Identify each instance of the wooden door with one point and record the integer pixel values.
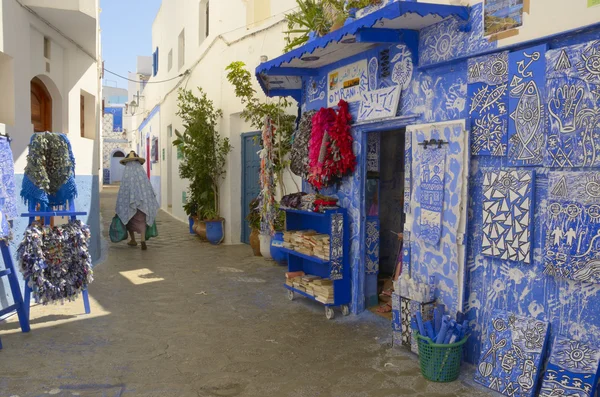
(41, 106)
(250, 178)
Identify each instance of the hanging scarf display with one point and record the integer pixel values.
(56, 261)
(433, 168)
(330, 148)
(50, 172)
(299, 163)
(8, 205)
(267, 181)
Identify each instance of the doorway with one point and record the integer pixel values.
(41, 106)
(116, 168)
(169, 150)
(250, 178)
(385, 216)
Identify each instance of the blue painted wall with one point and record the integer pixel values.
(439, 93)
(87, 200)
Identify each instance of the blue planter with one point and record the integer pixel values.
(191, 220)
(214, 232)
(276, 244)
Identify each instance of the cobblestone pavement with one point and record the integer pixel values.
(188, 319)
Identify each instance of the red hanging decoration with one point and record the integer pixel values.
(330, 148)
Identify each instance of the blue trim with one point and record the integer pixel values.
(390, 12)
(371, 35)
(518, 46)
(152, 113)
(291, 72)
(296, 94)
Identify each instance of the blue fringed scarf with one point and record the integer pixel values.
(49, 178)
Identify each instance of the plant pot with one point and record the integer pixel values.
(192, 222)
(200, 228)
(215, 231)
(276, 249)
(265, 246)
(255, 242)
(336, 26)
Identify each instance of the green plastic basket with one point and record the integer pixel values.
(440, 363)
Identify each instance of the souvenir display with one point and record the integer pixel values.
(8, 205)
(267, 181)
(572, 369)
(50, 172)
(299, 154)
(330, 148)
(512, 354)
(309, 202)
(56, 261)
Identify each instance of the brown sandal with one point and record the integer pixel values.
(144, 246)
(132, 243)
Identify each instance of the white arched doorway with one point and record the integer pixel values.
(116, 168)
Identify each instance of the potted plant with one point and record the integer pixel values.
(253, 219)
(277, 253)
(204, 158)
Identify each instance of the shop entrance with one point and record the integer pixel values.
(385, 215)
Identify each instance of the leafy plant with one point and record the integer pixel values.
(253, 216)
(279, 223)
(204, 153)
(255, 111)
(318, 16)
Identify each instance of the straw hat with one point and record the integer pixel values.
(132, 156)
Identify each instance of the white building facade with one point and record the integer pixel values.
(50, 81)
(204, 37)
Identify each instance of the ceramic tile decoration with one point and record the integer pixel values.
(347, 83)
(407, 171)
(405, 321)
(573, 87)
(526, 98)
(573, 226)
(373, 74)
(507, 214)
(372, 245)
(487, 90)
(406, 253)
(512, 354)
(337, 246)
(448, 39)
(433, 167)
(315, 89)
(572, 369)
(379, 104)
(373, 150)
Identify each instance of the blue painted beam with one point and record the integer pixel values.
(291, 72)
(371, 35)
(296, 94)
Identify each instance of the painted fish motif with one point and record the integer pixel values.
(494, 97)
(478, 98)
(527, 117)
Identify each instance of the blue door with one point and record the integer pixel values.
(250, 177)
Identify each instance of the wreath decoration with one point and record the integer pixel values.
(330, 148)
(50, 172)
(56, 261)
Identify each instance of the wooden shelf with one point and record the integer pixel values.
(304, 256)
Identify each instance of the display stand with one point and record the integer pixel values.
(45, 215)
(18, 305)
(337, 268)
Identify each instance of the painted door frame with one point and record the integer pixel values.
(244, 135)
(359, 272)
(148, 160)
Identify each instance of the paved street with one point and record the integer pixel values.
(188, 319)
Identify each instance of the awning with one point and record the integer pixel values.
(282, 76)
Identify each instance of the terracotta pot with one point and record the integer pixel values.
(200, 229)
(337, 26)
(255, 242)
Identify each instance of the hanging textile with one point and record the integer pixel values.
(50, 172)
(136, 193)
(433, 167)
(331, 156)
(299, 163)
(267, 181)
(56, 261)
(8, 205)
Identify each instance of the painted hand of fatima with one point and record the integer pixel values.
(564, 106)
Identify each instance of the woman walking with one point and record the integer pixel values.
(136, 203)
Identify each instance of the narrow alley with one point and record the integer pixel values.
(188, 319)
